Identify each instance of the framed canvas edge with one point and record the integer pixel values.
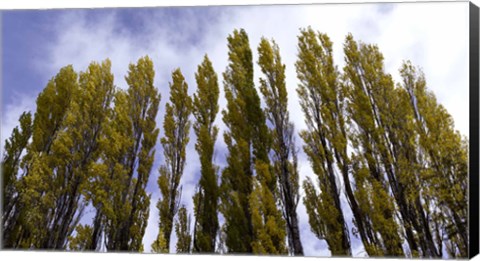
(474, 131)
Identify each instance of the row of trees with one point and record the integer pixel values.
(403, 165)
(391, 149)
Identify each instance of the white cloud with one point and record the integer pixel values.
(433, 36)
(12, 114)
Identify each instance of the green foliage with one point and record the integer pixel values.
(370, 92)
(324, 217)
(205, 109)
(320, 98)
(110, 184)
(405, 176)
(12, 154)
(76, 148)
(118, 190)
(82, 239)
(267, 221)
(159, 246)
(442, 164)
(248, 141)
(52, 105)
(35, 199)
(273, 89)
(237, 176)
(64, 160)
(130, 162)
(182, 230)
(176, 125)
(14, 147)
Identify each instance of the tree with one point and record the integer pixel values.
(176, 125)
(67, 124)
(182, 230)
(110, 182)
(205, 109)
(284, 161)
(248, 143)
(236, 178)
(443, 166)
(392, 149)
(129, 160)
(371, 97)
(28, 220)
(321, 100)
(12, 154)
(75, 149)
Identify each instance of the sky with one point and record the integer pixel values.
(36, 44)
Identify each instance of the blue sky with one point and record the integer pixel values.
(36, 44)
(27, 36)
(20, 28)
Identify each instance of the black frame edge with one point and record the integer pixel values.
(474, 132)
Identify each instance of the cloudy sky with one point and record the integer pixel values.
(36, 44)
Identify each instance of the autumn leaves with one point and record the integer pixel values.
(389, 149)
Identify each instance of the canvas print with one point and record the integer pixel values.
(295, 130)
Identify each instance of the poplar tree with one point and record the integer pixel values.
(237, 177)
(284, 161)
(176, 125)
(402, 134)
(12, 156)
(320, 73)
(320, 98)
(252, 221)
(28, 221)
(129, 159)
(411, 169)
(205, 109)
(76, 149)
(405, 175)
(117, 188)
(370, 91)
(442, 166)
(398, 148)
(110, 181)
